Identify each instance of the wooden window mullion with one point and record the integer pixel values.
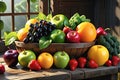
(13, 18)
(28, 9)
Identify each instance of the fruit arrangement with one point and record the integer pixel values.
(47, 30)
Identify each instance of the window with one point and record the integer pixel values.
(17, 13)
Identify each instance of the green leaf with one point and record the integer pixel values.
(49, 17)
(41, 16)
(10, 38)
(44, 42)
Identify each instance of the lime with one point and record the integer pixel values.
(3, 6)
(1, 24)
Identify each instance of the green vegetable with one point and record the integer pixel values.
(110, 42)
(76, 19)
(44, 42)
(10, 38)
(41, 16)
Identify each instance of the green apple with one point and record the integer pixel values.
(57, 36)
(60, 21)
(25, 57)
(61, 59)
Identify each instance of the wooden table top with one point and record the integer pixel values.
(53, 74)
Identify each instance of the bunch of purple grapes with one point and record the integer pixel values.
(36, 31)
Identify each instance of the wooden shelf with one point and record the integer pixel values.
(101, 73)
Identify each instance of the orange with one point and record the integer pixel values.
(30, 21)
(21, 34)
(45, 60)
(87, 31)
(99, 54)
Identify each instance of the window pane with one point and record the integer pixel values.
(20, 6)
(34, 6)
(33, 16)
(8, 4)
(7, 24)
(20, 22)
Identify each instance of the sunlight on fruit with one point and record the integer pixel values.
(87, 31)
(30, 21)
(22, 33)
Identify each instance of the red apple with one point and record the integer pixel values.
(73, 36)
(11, 57)
(66, 29)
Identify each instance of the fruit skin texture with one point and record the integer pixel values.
(99, 54)
(66, 29)
(87, 31)
(60, 21)
(30, 21)
(73, 36)
(108, 63)
(2, 69)
(34, 65)
(11, 57)
(22, 34)
(57, 36)
(73, 63)
(25, 57)
(92, 64)
(61, 59)
(45, 60)
(82, 62)
(115, 60)
(100, 31)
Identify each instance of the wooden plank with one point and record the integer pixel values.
(100, 71)
(19, 73)
(77, 74)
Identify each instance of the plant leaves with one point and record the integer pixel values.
(44, 42)
(49, 17)
(41, 16)
(10, 38)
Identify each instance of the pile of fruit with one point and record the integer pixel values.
(45, 30)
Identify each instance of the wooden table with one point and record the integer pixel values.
(101, 73)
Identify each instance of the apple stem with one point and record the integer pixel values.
(8, 48)
(63, 53)
(24, 52)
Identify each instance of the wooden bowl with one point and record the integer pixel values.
(73, 49)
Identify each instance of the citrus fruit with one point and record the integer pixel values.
(1, 24)
(21, 34)
(99, 54)
(87, 31)
(3, 6)
(45, 60)
(30, 21)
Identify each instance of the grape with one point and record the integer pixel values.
(39, 29)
